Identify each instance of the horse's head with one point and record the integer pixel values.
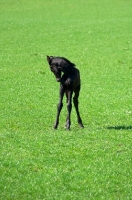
(55, 67)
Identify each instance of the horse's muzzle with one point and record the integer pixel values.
(58, 79)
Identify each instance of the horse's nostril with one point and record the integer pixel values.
(58, 79)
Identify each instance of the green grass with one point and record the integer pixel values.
(37, 162)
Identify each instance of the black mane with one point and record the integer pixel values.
(68, 61)
(62, 61)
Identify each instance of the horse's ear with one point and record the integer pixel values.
(48, 59)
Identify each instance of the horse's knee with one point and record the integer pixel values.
(75, 101)
(59, 106)
(69, 107)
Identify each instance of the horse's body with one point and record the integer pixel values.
(69, 83)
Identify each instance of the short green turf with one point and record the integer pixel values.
(37, 162)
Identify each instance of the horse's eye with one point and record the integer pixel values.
(51, 67)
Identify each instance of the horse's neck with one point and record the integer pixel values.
(68, 70)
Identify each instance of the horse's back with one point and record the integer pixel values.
(71, 80)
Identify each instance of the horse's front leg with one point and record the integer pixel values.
(59, 106)
(69, 108)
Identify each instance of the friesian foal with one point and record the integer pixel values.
(69, 83)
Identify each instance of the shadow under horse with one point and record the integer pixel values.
(69, 84)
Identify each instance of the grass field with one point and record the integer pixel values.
(37, 162)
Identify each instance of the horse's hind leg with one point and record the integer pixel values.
(59, 107)
(75, 101)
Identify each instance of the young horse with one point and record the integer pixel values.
(69, 83)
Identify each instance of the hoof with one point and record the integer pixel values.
(67, 127)
(81, 125)
(55, 127)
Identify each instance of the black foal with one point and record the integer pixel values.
(69, 83)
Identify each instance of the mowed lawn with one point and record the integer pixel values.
(37, 162)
